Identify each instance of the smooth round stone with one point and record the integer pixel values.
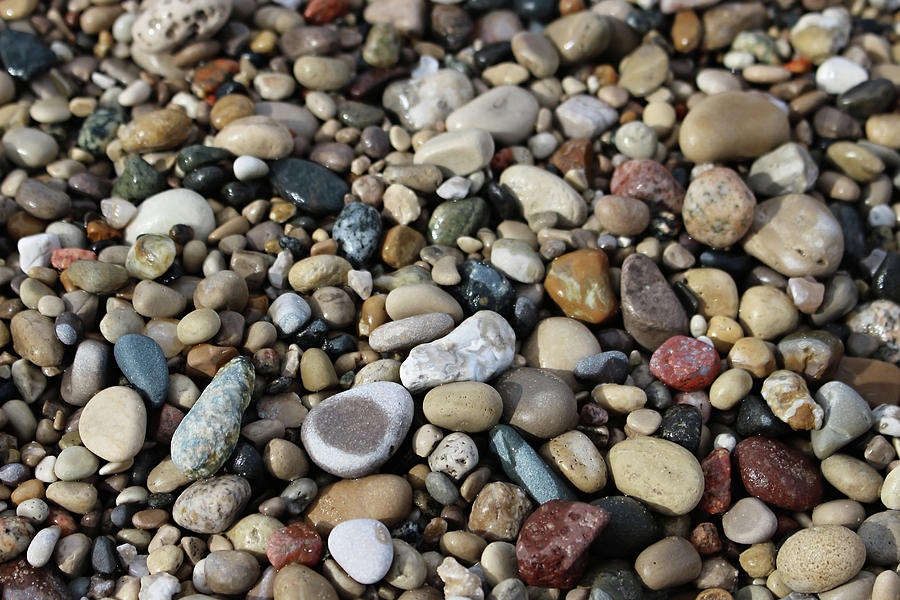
(97, 277)
(297, 581)
(536, 53)
(539, 191)
(230, 571)
(30, 148)
(409, 332)
(251, 533)
(884, 129)
(795, 235)
(579, 36)
(289, 312)
(113, 424)
(137, 181)
(820, 558)
(718, 208)
(468, 406)
(856, 161)
(517, 260)
(40, 550)
(749, 521)
(584, 116)
(778, 474)
(852, 477)
(732, 125)
(222, 290)
(211, 505)
(386, 498)
(150, 256)
(577, 458)
(256, 136)
(311, 273)
(789, 169)
(537, 402)
(579, 283)
(74, 496)
(507, 112)
(362, 547)
(838, 74)
(74, 463)
(767, 312)
(890, 491)
(670, 562)
(559, 343)
(322, 73)
(42, 201)
(15, 535)
(458, 152)
(424, 102)
(157, 130)
(141, 360)
(33, 338)
(848, 513)
(636, 140)
(200, 18)
(160, 212)
(642, 72)
(660, 473)
(198, 326)
(248, 168)
(417, 299)
(353, 433)
(880, 533)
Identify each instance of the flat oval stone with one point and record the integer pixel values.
(539, 191)
(732, 125)
(200, 19)
(257, 135)
(160, 212)
(353, 433)
(97, 277)
(778, 474)
(207, 435)
(411, 331)
(469, 406)
(820, 558)
(507, 112)
(796, 235)
(687, 364)
(362, 547)
(28, 147)
(311, 187)
(660, 473)
(41, 200)
(113, 424)
(650, 310)
(537, 402)
(579, 36)
(211, 505)
(313, 272)
(459, 152)
(559, 343)
(162, 129)
(142, 362)
(386, 498)
(34, 338)
(579, 284)
(670, 562)
(322, 72)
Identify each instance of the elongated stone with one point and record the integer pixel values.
(209, 432)
(522, 464)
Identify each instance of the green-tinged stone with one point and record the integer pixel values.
(455, 218)
(100, 128)
(523, 465)
(251, 534)
(360, 115)
(382, 47)
(408, 275)
(758, 44)
(207, 435)
(139, 180)
(615, 580)
(194, 157)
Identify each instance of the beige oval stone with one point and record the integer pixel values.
(796, 235)
(198, 326)
(157, 130)
(890, 491)
(848, 513)
(383, 497)
(619, 399)
(322, 73)
(767, 312)
(852, 477)
(468, 406)
(296, 582)
(559, 343)
(577, 458)
(538, 190)
(34, 338)
(715, 290)
(251, 533)
(732, 125)
(457, 152)
(621, 215)
(507, 112)
(256, 135)
(670, 562)
(419, 299)
(113, 424)
(820, 558)
(75, 496)
(729, 388)
(313, 272)
(884, 129)
(661, 473)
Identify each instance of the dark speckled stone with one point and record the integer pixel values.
(778, 474)
(756, 418)
(358, 231)
(209, 432)
(21, 581)
(139, 180)
(523, 465)
(483, 287)
(682, 424)
(194, 157)
(312, 187)
(142, 362)
(100, 128)
(456, 218)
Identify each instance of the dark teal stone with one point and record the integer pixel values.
(359, 114)
(455, 218)
(24, 55)
(886, 282)
(311, 187)
(614, 580)
(193, 157)
(100, 128)
(142, 362)
(482, 287)
(523, 466)
(139, 180)
(536, 10)
(358, 232)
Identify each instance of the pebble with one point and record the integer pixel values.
(837, 74)
(459, 152)
(579, 36)
(357, 231)
(142, 362)
(208, 433)
(669, 562)
(230, 571)
(583, 116)
(15, 536)
(787, 395)
(478, 349)
(650, 310)
(846, 417)
(40, 550)
(113, 424)
(643, 71)
(749, 521)
(718, 208)
(424, 102)
(362, 547)
(577, 458)
(778, 474)
(373, 419)
(788, 169)
(820, 558)
(649, 181)
(559, 343)
(256, 136)
(160, 212)
(211, 505)
(383, 497)
(536, 402)
(579, 284)
(309, 186)
(685, 363)
(523, 465)
(508, 113)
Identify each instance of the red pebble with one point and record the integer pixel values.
(62, 519)
(164, 423)
(685, 363)
(705, 538)
(210, 76)
(778, 474)
(61, 258)
(716, 482)
(320, 12)
(647, 180)
(298, 543)
(502, 159)
(552, 547)
(799, 65)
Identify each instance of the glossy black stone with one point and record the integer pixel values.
(340, 344)
(756, 418)
(103, 555)
(310, 186)
(482, 287)
(491, 54)
(524, 317)
(206, 181)
(631, 527)
(312, 335)
(886, 282)
(605, 367)
(246, 462)
(682, 424)
(24, 55)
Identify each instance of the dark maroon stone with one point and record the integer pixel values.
(717, 482)
(649, 181)
(685, 363)
(778, 474)
(21, 581)
(164, 423)
(552, 547)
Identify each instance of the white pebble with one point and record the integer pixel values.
(44, 470)
(289, 312)
(838, 74)
(882, 216)
(118, 212)
(33, 509)
(725, 440)
(279, 270)
(250, 167)
(160, 586)
(360, 282)
(698, 325)
(35, 250)
(455, 188)
(362, 547)
(137, 92)
(41, 547)
(887, 419)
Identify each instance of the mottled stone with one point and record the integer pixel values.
(649, 181)
(650, 310)
(142, 362)
(211, 505)
(787, 395)
(579, 284)
(498, 511)
(685, 363)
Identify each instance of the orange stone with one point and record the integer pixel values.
(567, 7)
(320, 12)
(210, 76)
(401, 246)
(575, 154)
(206, 359)
(687, 31)
(61, 258)
(229, 108)
(878, 382)
(98, 230)
(579, 284)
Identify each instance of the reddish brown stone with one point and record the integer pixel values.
(647, 180)
(577, 155)
(579, 284)
(401, 246)
(785, 525)
(164, 422)
(552, 547)
(320, 12)
(502, 159)
(62, 519)
(371, 83)
(99, 230)
(61, 258)
(297, 543)
(778, 474)
(20, 581)
(210, 76)
(705, 538)
(685, 363)
(21, 224)
(206, 359)
(717, 482)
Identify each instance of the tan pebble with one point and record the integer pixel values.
(577, 458)
(724, 332)
(729, 388)
(820, 558)
(559, 343)
(285, 460)
(421, 298)
(715, 289)
(767, 312)
(848, 513)
(296, 582)
(463, 406)
(852, 477)
(75, 496)
(753, 355)
(758, 560)
(670, 562)
(382, 497)
(619, 399)
(463, 545)
(887, 586)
